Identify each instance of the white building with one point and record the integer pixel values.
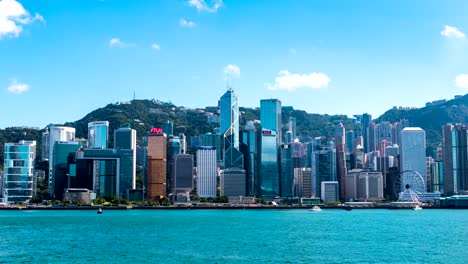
(370, 186)
(329, 191)
(413, 151)
(57, 134)
(206, 172)
(18, 178)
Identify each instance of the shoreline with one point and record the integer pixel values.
(239, 207)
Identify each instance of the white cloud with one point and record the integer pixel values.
(452, 32)
(232, 71)
(201, 5)
(186, 23)
(155, 46)
(117, 43)
(13, 17)
(291, 81)
(461, 81)
(17, 88)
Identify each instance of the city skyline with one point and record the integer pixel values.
(165, 50)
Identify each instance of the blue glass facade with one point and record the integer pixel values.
(98, 134)
(268, 181)
(229, 108)
(270, 115)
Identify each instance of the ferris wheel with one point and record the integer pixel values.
(409, 186)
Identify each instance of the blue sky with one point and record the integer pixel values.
(60, 60)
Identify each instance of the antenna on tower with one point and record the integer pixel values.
(134, 95)
(227, 81)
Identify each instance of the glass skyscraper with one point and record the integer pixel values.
(229, 108)
(413, 151)
(323, 164)
(98, 134)
(18, 177)
(268, 181)
(270, 116)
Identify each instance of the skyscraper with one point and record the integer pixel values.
(384, 132)
(268, 181)
(229, 109)
(413, 151)
(125, 141)
(286, 171)
(340, 143)
(323, 164)
(156, 166)
(455, 158)
(57, 134)
(206, 172)
(248, 149)
(366, 119)
(98, 134)
(182, 173)
(270, 116)
(18, 177)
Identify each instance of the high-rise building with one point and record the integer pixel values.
(57, 134)
(156, 166)
(455, 158)
(413, 152)
(213, 140)
(370, 186)
(206, 172)
(125, 139)
(307, 182)
(383, 131)
(371, 139)
(270, 116)
(98, 134)
(232, 182)
(292, 127)
(229, 108)
(366, 119)
(62, 153)
(248, 148)
(323, 164)
(182, 173)
(18, 178)
(183, 143)
(168, 128)
(349, 141)
(286, 171)
(329, 191)
(45, 147)
(268, 180)
(340, 145)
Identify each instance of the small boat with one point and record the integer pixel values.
(315, 208)
(99, 211)
(417, 208)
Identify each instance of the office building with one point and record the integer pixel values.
(18, 178)
(232, 182)
(156, 166)
(455, 158)
(349, 141)
(206, 171)
(340, 145)
(57, 134)
(370, 186)
(125, 141)
(98, 134)
(366, 119)
(63, 152)
(248, 148)
(270, 116)
(323, 164)
(213, 140)
(329, 191)
(229, 108)
(182, 173)
(413, 152)
(384, 132)
(168, 128)
(268, 180)
(286, 171)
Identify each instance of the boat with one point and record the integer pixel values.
(99, 211)
(348, 208)
(417, 208)
(315, 208)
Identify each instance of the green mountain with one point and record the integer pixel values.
(432, 118)
(142, 115)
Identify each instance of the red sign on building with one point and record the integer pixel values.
(156, 130)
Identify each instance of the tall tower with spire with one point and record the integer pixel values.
(229, 125)
(340, 143)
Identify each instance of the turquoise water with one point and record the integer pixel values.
(235, 236)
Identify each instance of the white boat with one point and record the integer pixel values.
(417, 208)
(315, 208)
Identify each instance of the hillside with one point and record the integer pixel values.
(144, 114)
(432, 118)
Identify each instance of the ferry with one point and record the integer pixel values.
(315, 209)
